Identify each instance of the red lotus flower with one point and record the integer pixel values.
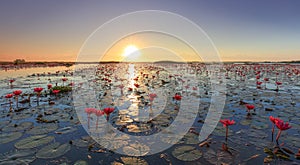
(130, 89)
(55, 92)
(227, 122)
(9, 96)
(258, 82)
(274, 119)
(64, 79)
(266, 79)
(278, 83)
(11, 81)
(49, 86)
(152, 95)
(136, 85)
(38, 89)
(17, 92)
(99, 113)
(281, 126)
(108, 110)
(250, 107)
(90, 110)
(177, 97)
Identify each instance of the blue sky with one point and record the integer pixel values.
(241, 30)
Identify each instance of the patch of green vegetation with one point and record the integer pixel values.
(62, 89)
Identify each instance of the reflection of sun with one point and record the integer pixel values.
(130, 49)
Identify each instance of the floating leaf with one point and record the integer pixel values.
(21, 116)
(136, 149)
(9, 137)
(33, 141)
(190, 138)
(221, 131)
(219, 157)
(81, 162)
(18, 127)
(42, 129)
(186, 153)
(131, 161)
(84, 141)
(17, 157)
(53, 150)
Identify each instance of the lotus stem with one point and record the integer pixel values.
(278, 135)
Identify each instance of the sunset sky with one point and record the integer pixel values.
(55, 30)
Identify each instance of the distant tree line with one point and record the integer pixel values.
(19, 61)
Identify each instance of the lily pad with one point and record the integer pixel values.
(17, 157)
(187, 153)
(4, 123)
(221, 131)
(9, 137)
(218, 157)
(33, 141)
(42, 129)
(81, 162)
(191, 138)
(17, 127)
(117, 142)
(53, 150)
(21, 116)
(131, 161)
(136, 149)
(84, 141)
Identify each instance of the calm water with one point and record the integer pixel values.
(247, 140)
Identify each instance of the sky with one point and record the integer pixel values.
(55, 30)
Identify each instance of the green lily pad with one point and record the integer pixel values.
(42, 129)
(117, 142)
(21, 116)
(246, 122)
(84, 141)
(81, 162)
(259, 125)
(187, 153)
(136, 149)
(18, 127)
(131, 161)
(9, 137)
(218, 157)
(190, 138)
(4, 123)
(221, 131)
(33, 141)
(53, 150)
(17, 157)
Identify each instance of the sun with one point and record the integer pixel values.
(130, 49)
